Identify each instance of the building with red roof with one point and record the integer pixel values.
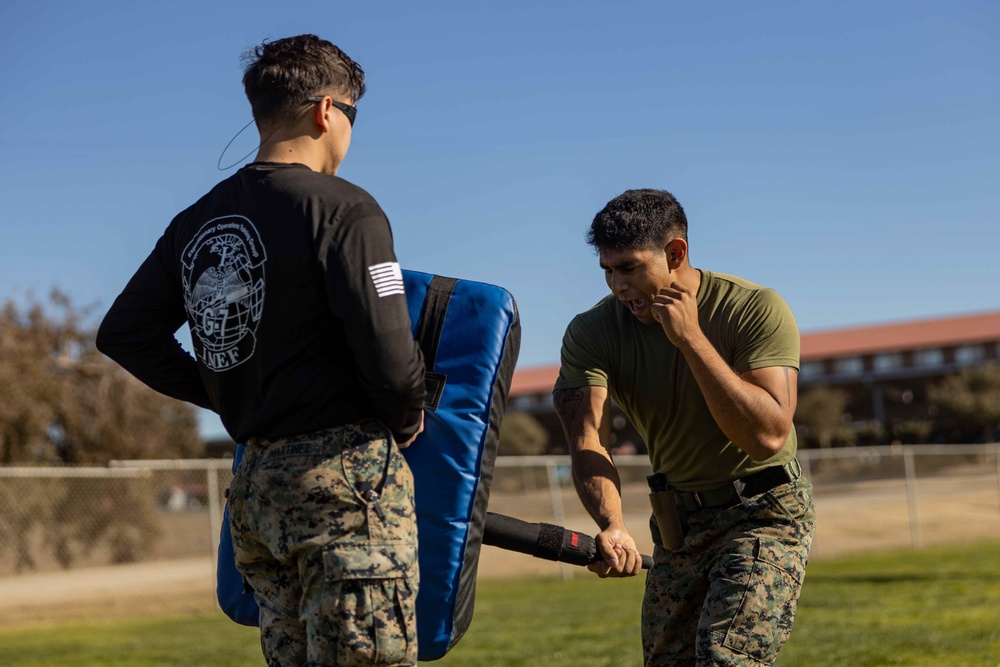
(885, 368)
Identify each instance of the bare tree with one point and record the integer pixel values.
(28, 384)
(66, 402)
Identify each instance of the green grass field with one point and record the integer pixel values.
(937, 607)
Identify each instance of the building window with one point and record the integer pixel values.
(811, 369)
(968, 354)
(848, 366)
(887, 361)
(931, 356)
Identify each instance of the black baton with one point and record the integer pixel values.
(544, 540)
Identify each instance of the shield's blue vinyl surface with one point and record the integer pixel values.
(470, 334)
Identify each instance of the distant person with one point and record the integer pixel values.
(287, 277)
(705, 365)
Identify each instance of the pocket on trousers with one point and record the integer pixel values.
(375, 588)
(770, 591)
(380, 478)
(789, 500)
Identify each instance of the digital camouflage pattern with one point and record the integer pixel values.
(728, 596)
(325, 533)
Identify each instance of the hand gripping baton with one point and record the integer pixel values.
(544, 540)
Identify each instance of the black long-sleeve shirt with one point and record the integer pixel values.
(290, 285)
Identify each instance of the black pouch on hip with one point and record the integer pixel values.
(668, 519)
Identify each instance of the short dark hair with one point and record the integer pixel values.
(638, 219)
(278, 76)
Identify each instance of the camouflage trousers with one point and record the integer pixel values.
(325, 534)
(728, 596)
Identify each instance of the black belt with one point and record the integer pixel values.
(735, 492)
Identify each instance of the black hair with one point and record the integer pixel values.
(278, 76)
(638, 219)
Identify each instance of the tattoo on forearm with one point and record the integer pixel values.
(568, 404)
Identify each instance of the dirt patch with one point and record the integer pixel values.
(183, 587)
(860, 517)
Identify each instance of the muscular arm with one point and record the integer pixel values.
(754, 409)
(594, 474)
(596, 477)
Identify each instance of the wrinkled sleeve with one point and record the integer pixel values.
(138, 332)
(365, 287)
(581, 362)
(768, 334)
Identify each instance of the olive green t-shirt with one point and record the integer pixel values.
(647, 376)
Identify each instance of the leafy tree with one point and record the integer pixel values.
(970, 399)
(522, 435)
(912, 431)
(820, 415)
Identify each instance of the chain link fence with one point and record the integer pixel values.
(867, 498)
(132, 511)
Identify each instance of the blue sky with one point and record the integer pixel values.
(846, 154)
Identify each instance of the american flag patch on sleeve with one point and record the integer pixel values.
(388, 278)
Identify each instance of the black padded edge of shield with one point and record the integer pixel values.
(466, 597)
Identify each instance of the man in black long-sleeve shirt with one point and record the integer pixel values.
(289, 282)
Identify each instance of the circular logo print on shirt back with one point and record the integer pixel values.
(223, 274)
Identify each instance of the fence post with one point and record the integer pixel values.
(911, 497)
(214, 514)
(558, 511)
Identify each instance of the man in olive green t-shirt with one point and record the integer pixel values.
(705, 366)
